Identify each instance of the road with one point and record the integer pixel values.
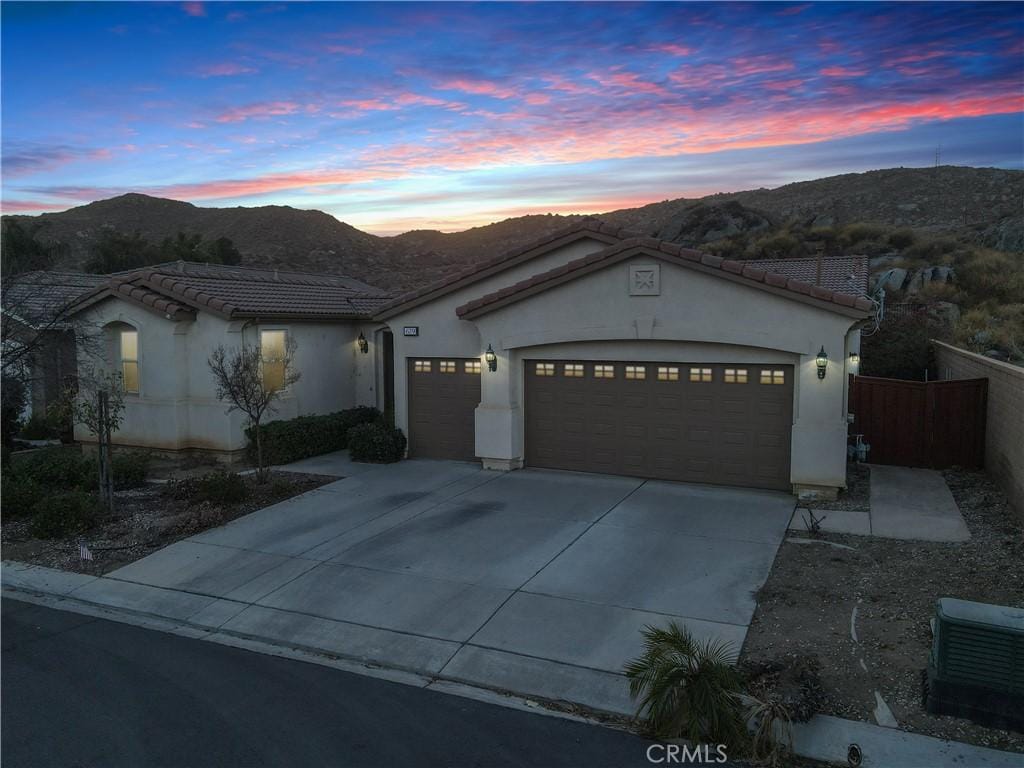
(80, 691)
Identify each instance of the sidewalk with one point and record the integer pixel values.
(340, 644)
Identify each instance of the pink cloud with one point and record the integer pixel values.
(842, 72)
(478, 88)
(258, 110)
(194, 9)
(673, 49)
(224, 69)
(628, 82)
(29, 206)
(759, 65)
(346, 50)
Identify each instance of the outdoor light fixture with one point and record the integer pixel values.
(854, 358)
(364, 345)
(822, 362)
(491, 358)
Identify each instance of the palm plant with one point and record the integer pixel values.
(773, 732)
(688, 689)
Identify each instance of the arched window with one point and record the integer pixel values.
(129, 347)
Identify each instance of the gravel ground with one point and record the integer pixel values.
(808, 602)
(144, 520)
(856, 497)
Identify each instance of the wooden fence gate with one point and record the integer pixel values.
(934, 424)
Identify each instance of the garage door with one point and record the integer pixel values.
(709, 423)
(443, 394)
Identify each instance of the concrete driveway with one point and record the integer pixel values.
(535, 582)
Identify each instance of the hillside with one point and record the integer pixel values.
(980, 205)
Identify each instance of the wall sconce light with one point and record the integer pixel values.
(854, 359)
(491, 358)
(822, 362)
(362, 343)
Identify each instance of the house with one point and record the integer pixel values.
(158, 326)
(38, 332)
(600, 351)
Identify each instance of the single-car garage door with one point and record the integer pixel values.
(443, 394)
(709, 423)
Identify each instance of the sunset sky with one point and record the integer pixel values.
(402, 116)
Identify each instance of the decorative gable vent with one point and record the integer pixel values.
(976, 666)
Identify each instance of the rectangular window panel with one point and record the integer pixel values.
(272, 355)
(604, 371)
(130, 361)
(447, 366)
(421, 366)
(545, 369)
(773, 376)
(735, 376)
(574, 370)
(472, 366)
(668, 373)
(636, 372)
(700, 374)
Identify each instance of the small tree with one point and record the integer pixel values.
(97, 403)
(239, 376)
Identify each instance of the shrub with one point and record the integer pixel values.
(57, 468)
(293, 439)
(688, 689)
(39, 427)
(64, 514)
(221, 487)
(19, 495)
(857, 233)
(902, 238)
(129, 469)
(900, 349)
(376, 443)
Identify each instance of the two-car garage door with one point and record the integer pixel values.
(709, 423)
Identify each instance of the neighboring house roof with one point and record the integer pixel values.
(845, 274)
(587, 228)
(43, 297)
(178, 289)
(738, 271)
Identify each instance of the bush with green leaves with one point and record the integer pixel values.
(377, 443)
(688, 689)
(64, 514)
(293, 439)
(57, 468)
(218, 487)
(39, 427)
(19, 495)
(130, 469)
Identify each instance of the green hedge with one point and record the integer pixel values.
(63, 514)
(294, 439)
(377, 443)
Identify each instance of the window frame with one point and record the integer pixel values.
(422, 366)
(573, 370)
(604, 371)
(667, 373)
(635, 372)
(264, 360)
(736, 376)
(129, 360)
(774, 377)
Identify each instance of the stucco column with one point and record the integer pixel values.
(499, 439)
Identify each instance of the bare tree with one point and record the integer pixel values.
(251, 383)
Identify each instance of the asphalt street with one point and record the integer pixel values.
(81, 691)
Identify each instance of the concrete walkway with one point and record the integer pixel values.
(906, 503)
(533, 582)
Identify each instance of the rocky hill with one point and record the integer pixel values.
(982, 205)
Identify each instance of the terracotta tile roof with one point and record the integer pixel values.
(589, 227)
(43, 297)
(844, 274)
(180, 288)
(740, 271)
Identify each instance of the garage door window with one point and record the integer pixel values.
(421, 366)
(700, 375)
(472, 366)
(668, 373)
(545, 369)
(636, 372)
(772, 376)
(604, 371)
(447, 366)
(735, 376)
(574, 370)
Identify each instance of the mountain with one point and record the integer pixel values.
(977, 204)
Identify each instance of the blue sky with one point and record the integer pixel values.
(399, 116)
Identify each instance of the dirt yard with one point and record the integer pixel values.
(147, 519)
(807, 606)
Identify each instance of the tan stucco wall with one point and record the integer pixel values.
(1004, 419)
(696, 317)
(177, 407)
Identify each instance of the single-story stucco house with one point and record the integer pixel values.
(592, 349)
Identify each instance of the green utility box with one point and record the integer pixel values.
(976, 665)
